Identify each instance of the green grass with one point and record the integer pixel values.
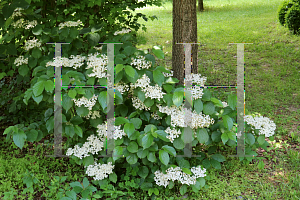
(272, 79)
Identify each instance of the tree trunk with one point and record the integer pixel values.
(184, 31)
(200, 5)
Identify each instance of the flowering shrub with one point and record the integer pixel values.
(149, 126)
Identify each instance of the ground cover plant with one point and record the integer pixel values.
(216, 176)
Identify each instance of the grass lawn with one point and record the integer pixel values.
(272, 80)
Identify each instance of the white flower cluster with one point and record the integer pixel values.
(93, 114)
(173, 133)
(123, 31)
(102, 132)
(98, 48)
(154, 92)
(18, 24)
(89, 103)
(31, 24)
(177, 117)
(168, 74)
(74, 61)
(69, 24)
(121, 87)
(98, 65)
(197, 92)
(17, 13)
(31, 44)
(155, 116)
(138, 104)
(224, 104)
(99, 171)
(141, 63)
(266, 126)
(177, 174)
(195, 79)
(94, 145)
(21, 61)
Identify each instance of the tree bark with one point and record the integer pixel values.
(184, 31)
(200, 5)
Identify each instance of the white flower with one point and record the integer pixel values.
(266, 126)
(18, 24)
(99, 171)
(224, 104)
(102, 132)
(195, 79)
(69, 24)
(138, 104)
(168, 74)
(31, 44)
(177, 174)
(141, 62)
(17, 13)
(31, 24)
(173, 133)
(121, 87)
(123, 31)
(21, 61)
(94, 115)
(89, 103)
(99, 65)
(155, 116)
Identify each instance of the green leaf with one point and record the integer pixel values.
(183, 189)
(170, 150)
(72, 93)
(36, 53)
(129, 71)
(50, 124)
(89, 160)
(82, 111)
(218, 157)
(198, 105)
(178, 143)
(149, 102)
(76, 120)
(261, 139)
(158, 77)
(261, 165)
(129, 50)
(183, 163)
(164, 157)
(19, 138)
(208, 108)
(38, 88)
(113, 177)
(215, 164)
(23, 70)
(151, 157)
(37, 99)
(162, 135)
(150, 128)
(232, 99)
(202, 135)
(142, 153)
(250, 139)
(224, 137)
(196, 187)
(102, 99)
(129, 129)
(117, 151)
(216, 136)
(231, 135)
(168, 88)
(69, 130)
(143, 172)
(206, 163)
(177, 98)
(3, 74)
(136, 122)
(202, 181)
(187, 171)
(78, 130)
(132, 147)
(206, 95)
(217, 102)
(32, 135)
(119, 67)
(49, 86)
(131, 158)
(172, 80)
(93, 38)
(187, 135)
(121, 120)
(67, 103)
(147, 140)
(80, 90)
(37, 30)
(158, 52)
(227, 121)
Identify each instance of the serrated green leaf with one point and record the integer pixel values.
(69, 130)
(217, 102)
(208, 108)
(72, 93)
(121, 120)
(129, 71)
(82, 111)
(184, 164)
(129, 129)
(67, 102)
(250, 139)
(261, 139)
(224, 137)
(142, 153)
(102, 99)
(164, 157)
(50, 124)
(136, 122)
(32, 135)
(151, 157)
(132, 147)
(227, 121)
(49, 86)
(162, 135)
(177, 98)
(178, 143)
(158, 77)
(37, 99)
(119, 67)
(232, 101)
(38, 88)
(78, 130)
(183, 189)
(158, 53)
(170, 150)
(131, 158)
(198, 105)
(23, 70)
(19, 138)
(202, 135)
(147, 140)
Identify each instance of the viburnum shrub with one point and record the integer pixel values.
(149, 112)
